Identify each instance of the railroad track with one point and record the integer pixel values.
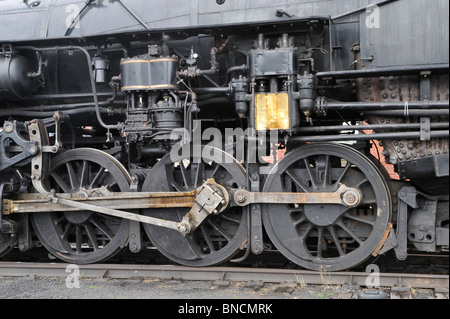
(227, 274)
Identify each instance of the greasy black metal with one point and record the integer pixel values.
(265, 62)
(407, 200)
(300, 231)
(6, 243)
(135, 238)
(14, 79)
(148, 74)
(63, 234)
(7, 237)
(11, 137)
(207, 61)
(257, 240)
(419, 218)
(219, 237)
(91, 78)
(430, 166)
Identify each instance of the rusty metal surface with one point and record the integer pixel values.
(33, 203)
(400, 89)
(344, 195)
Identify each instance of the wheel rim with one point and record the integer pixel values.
(327, 237)
(83, 237)
(6, 243)
(219, 237)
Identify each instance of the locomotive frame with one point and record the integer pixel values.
(107, 137)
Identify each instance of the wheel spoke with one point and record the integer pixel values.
(68, 229)
(221, 232)
(326, 177)
(73, 178)
(215, 170)
(310, 173)
(304, 236)
(78, 238)
(102, 228)
(91, 234)
(347, 166)
(186, 178)
(84, 178)
(341, 224)
(336, 241)
(319, 241)
(199, 170)
(97, 178)
(297, 181)
(169, 181)
(300, 221)
(358, 219)
(61, 183)
(233, 220)
(207, 238)
(364, 180)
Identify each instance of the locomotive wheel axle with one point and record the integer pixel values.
(210, 198)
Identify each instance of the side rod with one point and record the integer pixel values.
(210, 198)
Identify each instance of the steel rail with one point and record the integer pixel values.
(232, 274)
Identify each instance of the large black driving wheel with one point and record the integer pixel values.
(219, 237)
(328, 237)
(83, 237)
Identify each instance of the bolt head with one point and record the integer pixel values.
(240, 198)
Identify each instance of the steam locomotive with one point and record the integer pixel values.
(212, 130)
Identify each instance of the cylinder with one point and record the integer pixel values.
(14, 79)
(149, 74)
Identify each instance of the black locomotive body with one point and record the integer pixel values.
(158, 123)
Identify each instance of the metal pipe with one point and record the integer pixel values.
(363, 137)
(50, 113)
(396, 71)
(237, 68)
(361, 106)
(400, 126)
(214, 64)
(434, 112)
(64, 96)
(216, 90)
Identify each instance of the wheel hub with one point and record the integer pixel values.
(78, 217)
(323, 215)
